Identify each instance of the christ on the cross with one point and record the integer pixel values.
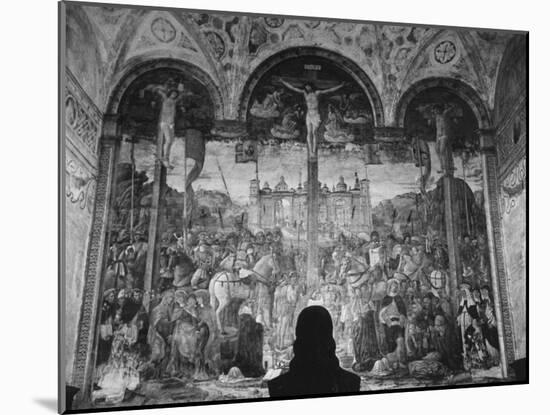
(313, 118)
(442, 117)
(171, 98)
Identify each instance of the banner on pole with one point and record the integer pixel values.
(246, 151)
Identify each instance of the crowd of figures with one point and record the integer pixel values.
(178, 327)
(226, 304)
(393, 311)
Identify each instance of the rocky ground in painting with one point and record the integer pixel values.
(172, 391)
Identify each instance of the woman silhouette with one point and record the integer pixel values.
(315, 369)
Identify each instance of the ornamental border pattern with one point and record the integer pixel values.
(82, 117)
(508, 152)
(92, 270)
(512, 185)
(80, 185)
(499, 250)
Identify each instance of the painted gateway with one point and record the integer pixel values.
(344, 209)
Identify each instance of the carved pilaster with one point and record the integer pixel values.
(83, 364)
(82, 118)
(496, 254)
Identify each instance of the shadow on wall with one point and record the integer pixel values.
(49, 403)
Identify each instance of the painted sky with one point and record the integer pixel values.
(289, 160)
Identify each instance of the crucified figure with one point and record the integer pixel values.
(313, 118)
(171, 97)
(442, 117)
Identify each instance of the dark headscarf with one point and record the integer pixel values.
(315, 369)
(314, 347)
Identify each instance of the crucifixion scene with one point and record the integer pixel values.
(265, 207)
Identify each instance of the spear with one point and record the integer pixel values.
(223, 178)
(409, 221)
(416, 207)
(132, 158)
(394, 215)
(465, 194)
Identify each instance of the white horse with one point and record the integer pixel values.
(354, 269)
(225, 285)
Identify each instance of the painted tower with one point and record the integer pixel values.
(366, 207)
(254, 217)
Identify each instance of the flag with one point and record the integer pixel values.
(195, 150)
(393, 216)
(246, 151)
(372, 153)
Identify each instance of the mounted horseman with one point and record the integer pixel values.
(204, 263)
(243, 259)
(414, 264)
(260, 280)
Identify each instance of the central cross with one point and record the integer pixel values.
(311, 89)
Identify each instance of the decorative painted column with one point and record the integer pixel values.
(91, 303)
(496, 257)
(80, 130)
(312, 220)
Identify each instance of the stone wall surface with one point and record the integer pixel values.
(79, 203)
(82, 129)
(514, 235)
(511, 135)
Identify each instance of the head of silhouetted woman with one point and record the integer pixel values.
(314, 347)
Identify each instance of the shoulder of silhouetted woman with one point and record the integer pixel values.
(348, 382)
(289, 384)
